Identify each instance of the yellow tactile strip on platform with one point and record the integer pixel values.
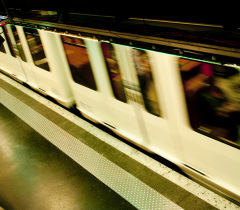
(129, 187)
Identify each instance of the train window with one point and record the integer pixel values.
(146, 81)
(9, 42)
(79, 61)
(2, 49)
(36, 48)
(18, 42)
(213, 99)
(113, 71)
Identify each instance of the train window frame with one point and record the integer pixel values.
(118, 90)
(79, 77)
(9, 42)
(199, 79)
(40, 63)
(148, 77)
(18, 42)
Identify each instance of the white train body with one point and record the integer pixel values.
(111, 94)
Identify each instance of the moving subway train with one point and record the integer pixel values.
(186, 110)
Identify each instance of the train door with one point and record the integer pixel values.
(121, 111)
(206, 104)
(4, 51)
(22, 51)
(39, 63)
(46, 66)
(80, 74)
(96, 75)
(148, 84)
(10, 60)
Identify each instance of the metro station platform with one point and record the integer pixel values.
(52, 159)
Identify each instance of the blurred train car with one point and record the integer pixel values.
(10, 64)
(24, 57)
(183, 109)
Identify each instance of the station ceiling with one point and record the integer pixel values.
(196, 11)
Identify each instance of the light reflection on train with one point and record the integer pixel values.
(182, 109)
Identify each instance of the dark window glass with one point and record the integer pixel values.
(36, 48)
(2, 49)
(9, 42)
(19, 47)
(146, 81)
(213, 98)
(79, 61)
(114, 71)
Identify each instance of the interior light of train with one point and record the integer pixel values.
(233, 65)
(67, 33)
(93, 38)
(105, 41)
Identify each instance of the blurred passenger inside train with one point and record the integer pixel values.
(218, 105)
(228, 79)
(146, 81)
(213, 98)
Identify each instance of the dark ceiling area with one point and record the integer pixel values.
(197, 12)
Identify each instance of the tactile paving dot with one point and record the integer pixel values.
(129, 187)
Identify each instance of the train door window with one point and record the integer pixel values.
(2, 49)
(18, 42)
(146, 81)
(79, 61)
(113, 71)
(9, 42)
(213, 99)
(36, 48)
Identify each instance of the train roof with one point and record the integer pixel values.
(222, 13)
(212, 33)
